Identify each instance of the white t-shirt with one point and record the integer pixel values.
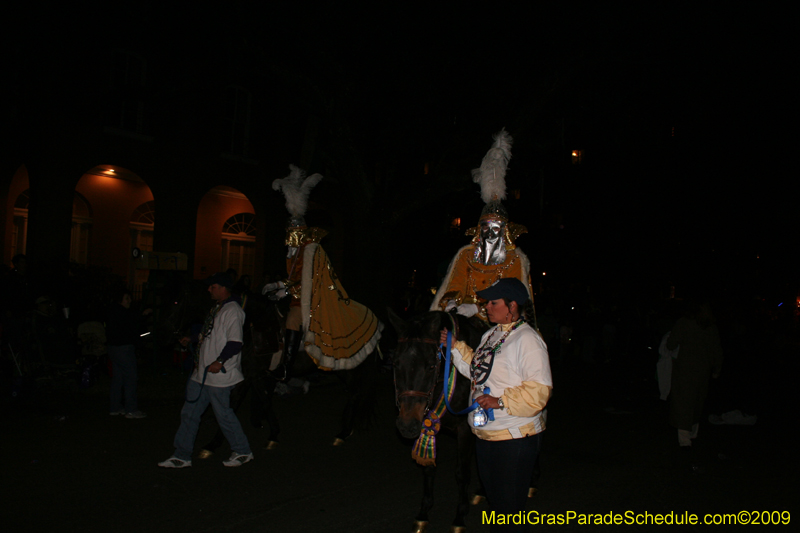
(227, 327)
(522, 357)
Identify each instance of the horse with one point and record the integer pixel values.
(263, 333)
(418, 378)
(359, 382)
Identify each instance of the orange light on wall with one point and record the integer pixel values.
(577, 156)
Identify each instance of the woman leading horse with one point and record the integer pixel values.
(511, 361)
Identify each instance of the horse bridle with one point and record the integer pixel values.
(415, 393)
(420, 394)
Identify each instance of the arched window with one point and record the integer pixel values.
(142, 224)
(239, 244)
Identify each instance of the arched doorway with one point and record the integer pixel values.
(122, 217)
(79, 236)
(226, 236)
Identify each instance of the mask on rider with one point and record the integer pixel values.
(491, 249)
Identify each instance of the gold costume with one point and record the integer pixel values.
(339, 333)
(465, 277)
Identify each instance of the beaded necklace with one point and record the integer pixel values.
(208, 325)
(482, 361)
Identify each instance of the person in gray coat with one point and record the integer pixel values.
(699, 360)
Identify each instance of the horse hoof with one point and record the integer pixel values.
(271, 445)
(205, 454)
(338, 442)
(477, 498)
(532, 492)
(458, 529)
(419, 526)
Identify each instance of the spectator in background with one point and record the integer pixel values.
(17, 302)
(122, 334)
(699, 359)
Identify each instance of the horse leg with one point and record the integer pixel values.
(262, 398)
(360, 384)
(238, 394)
(211, 446)
(274, 427)
(291, 346)
(480, 494)
(420, 524)
(346, 377)
(466, 446)
(257, 413)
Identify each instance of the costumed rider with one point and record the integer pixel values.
(337, 332)
(492, 254)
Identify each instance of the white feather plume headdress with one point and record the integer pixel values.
(491, 175)
(296, 188)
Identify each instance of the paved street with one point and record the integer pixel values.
(92, 472)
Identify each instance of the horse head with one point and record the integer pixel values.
(417, 368)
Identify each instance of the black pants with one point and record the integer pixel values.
(506, 467)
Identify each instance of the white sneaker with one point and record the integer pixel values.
(238, 459)
(136, 414)
(175, 462)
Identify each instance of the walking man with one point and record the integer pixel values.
(217, 369)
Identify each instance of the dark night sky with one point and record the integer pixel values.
(712, 197)
(433, 85)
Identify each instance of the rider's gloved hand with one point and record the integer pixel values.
(467, 310)
(271, 287)
(277, 295)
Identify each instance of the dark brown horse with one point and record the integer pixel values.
(419, 379)
(264, 326)
(418, 373)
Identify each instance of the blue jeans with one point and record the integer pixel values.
(123, 378)
(506, 468)
(220, 400)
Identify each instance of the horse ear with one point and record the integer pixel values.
(433, 323)
(398, 323)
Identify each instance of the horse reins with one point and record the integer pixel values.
(420, 394)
